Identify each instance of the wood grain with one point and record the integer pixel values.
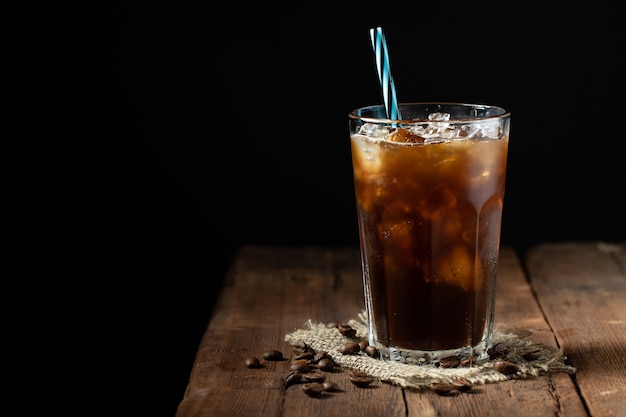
(272, 291)
(581, 287)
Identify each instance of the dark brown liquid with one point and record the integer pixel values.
(429, 218)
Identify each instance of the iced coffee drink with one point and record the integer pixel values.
(429, 191)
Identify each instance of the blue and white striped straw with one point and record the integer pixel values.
(379, 44)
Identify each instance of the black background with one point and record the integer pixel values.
(142, 146)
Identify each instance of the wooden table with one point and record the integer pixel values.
(566, 295)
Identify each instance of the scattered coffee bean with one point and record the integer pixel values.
(360, 378)
(372, 352)
(442, 388)
(318, 356)
(253, 362)
(462, 384)
(346, 330)
(313, 375)
(306, 353)
(294, 377)
(450, 362)
(349, 348)
(300, 365)
(467, 362)
(506, 367)
(326, 364)
(363, 344)
(498, 350)
(330, 386)
(273, 355)
(313, 389)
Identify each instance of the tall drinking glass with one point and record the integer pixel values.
(429, 191)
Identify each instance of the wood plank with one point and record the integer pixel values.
(270, 292)
(516, 312)
(581, 288)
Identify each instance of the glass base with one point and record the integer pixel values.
(422, 357)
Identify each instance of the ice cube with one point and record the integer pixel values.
(486, 130)
(404, 136)
(367, 150)
(439, 117)
(437, 129)
(457, 268)
(372, 130)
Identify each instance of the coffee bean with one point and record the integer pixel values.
(506, 367)
(253, 362)
(313, 389)
(313, 375)
(307, 353)
(294, 377)
(322, 354)
(442, 388)
(462, 384)
(300, 365)
(326, 364)
(349, 348)
(363, 344)
(467, 362)
(360, 378)
(330, 386)
(372, 352)
(449, 362)
(273, 355)
(346, 330)
(498, 350)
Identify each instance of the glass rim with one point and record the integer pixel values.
(502, 113)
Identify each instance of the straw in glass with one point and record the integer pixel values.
(379, 44)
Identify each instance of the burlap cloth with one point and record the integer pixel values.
(323, 338)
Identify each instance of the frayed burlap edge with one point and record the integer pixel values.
(323, 338)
